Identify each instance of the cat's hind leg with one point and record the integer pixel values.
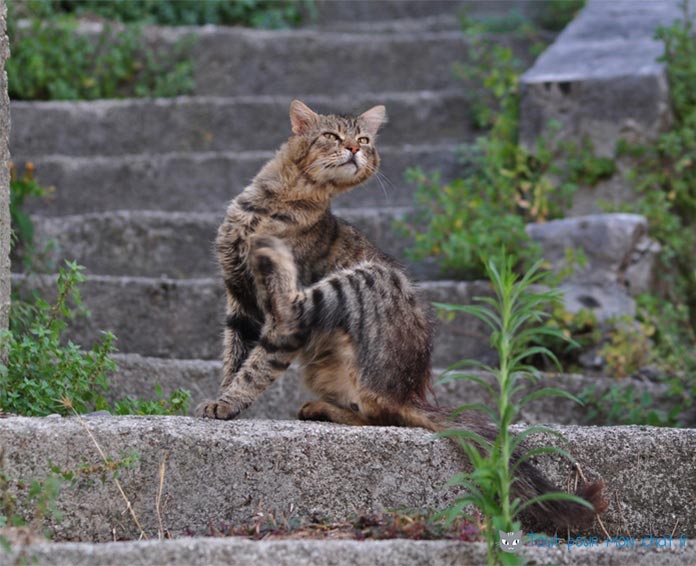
(275, 275)
(328, 412)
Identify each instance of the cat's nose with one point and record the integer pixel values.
(354, 148)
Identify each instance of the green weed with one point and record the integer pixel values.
(515, 317)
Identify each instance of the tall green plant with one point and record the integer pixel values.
(515, 317)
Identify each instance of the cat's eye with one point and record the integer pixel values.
(363, 140)
(332, 136)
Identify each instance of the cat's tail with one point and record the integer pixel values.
(529, 482)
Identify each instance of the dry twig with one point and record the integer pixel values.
(68, 404)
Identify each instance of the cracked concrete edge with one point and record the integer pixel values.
(4, 175)
(183, 552)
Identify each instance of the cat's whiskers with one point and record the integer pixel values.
(381, 180)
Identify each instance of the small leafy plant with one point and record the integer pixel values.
(39, 369)
(42, 368)
(23, 187)
(176, 404)
(515, 317)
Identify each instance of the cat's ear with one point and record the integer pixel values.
(302, 117)
(372, 119)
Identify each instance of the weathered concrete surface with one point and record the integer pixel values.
(601, 80)
(221, 472)
(620, 260)
(206, 182)
(184, 552)
(244, 123)
(137, 376)
(4, 176)
(180, 244)
(182, 318)
(227, 59)
(358, 12)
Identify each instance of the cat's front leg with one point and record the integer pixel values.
(265, 364)
(218, 410)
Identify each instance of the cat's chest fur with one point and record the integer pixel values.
(309, 237)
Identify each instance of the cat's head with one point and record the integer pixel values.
(335, 149)
(510, 542)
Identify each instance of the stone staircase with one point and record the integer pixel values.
(141, 187)
(143, 184)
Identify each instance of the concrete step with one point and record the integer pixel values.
(183, 318)
(231, 61)
(358, 14)
(202, 124)
(206, 182)
(184, 552)
(223, 472)
(137, 375)
(180, 244)
(429, 23)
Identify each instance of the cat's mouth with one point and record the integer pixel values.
(351, 161)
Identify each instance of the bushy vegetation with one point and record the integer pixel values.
(52, 61)
(252, 13)
(505, 185)
(664, 176)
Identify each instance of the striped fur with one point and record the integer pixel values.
(303, 285)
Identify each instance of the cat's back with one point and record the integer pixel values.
(333, 244)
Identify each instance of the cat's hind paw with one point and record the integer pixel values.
(270, 254)
(216, 410)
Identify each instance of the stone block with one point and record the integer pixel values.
(4, 176)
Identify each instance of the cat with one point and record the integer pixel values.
(303, 285)
(510, 542)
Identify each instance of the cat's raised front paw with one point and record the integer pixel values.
(216, 410)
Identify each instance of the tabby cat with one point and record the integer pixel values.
(303, 285)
